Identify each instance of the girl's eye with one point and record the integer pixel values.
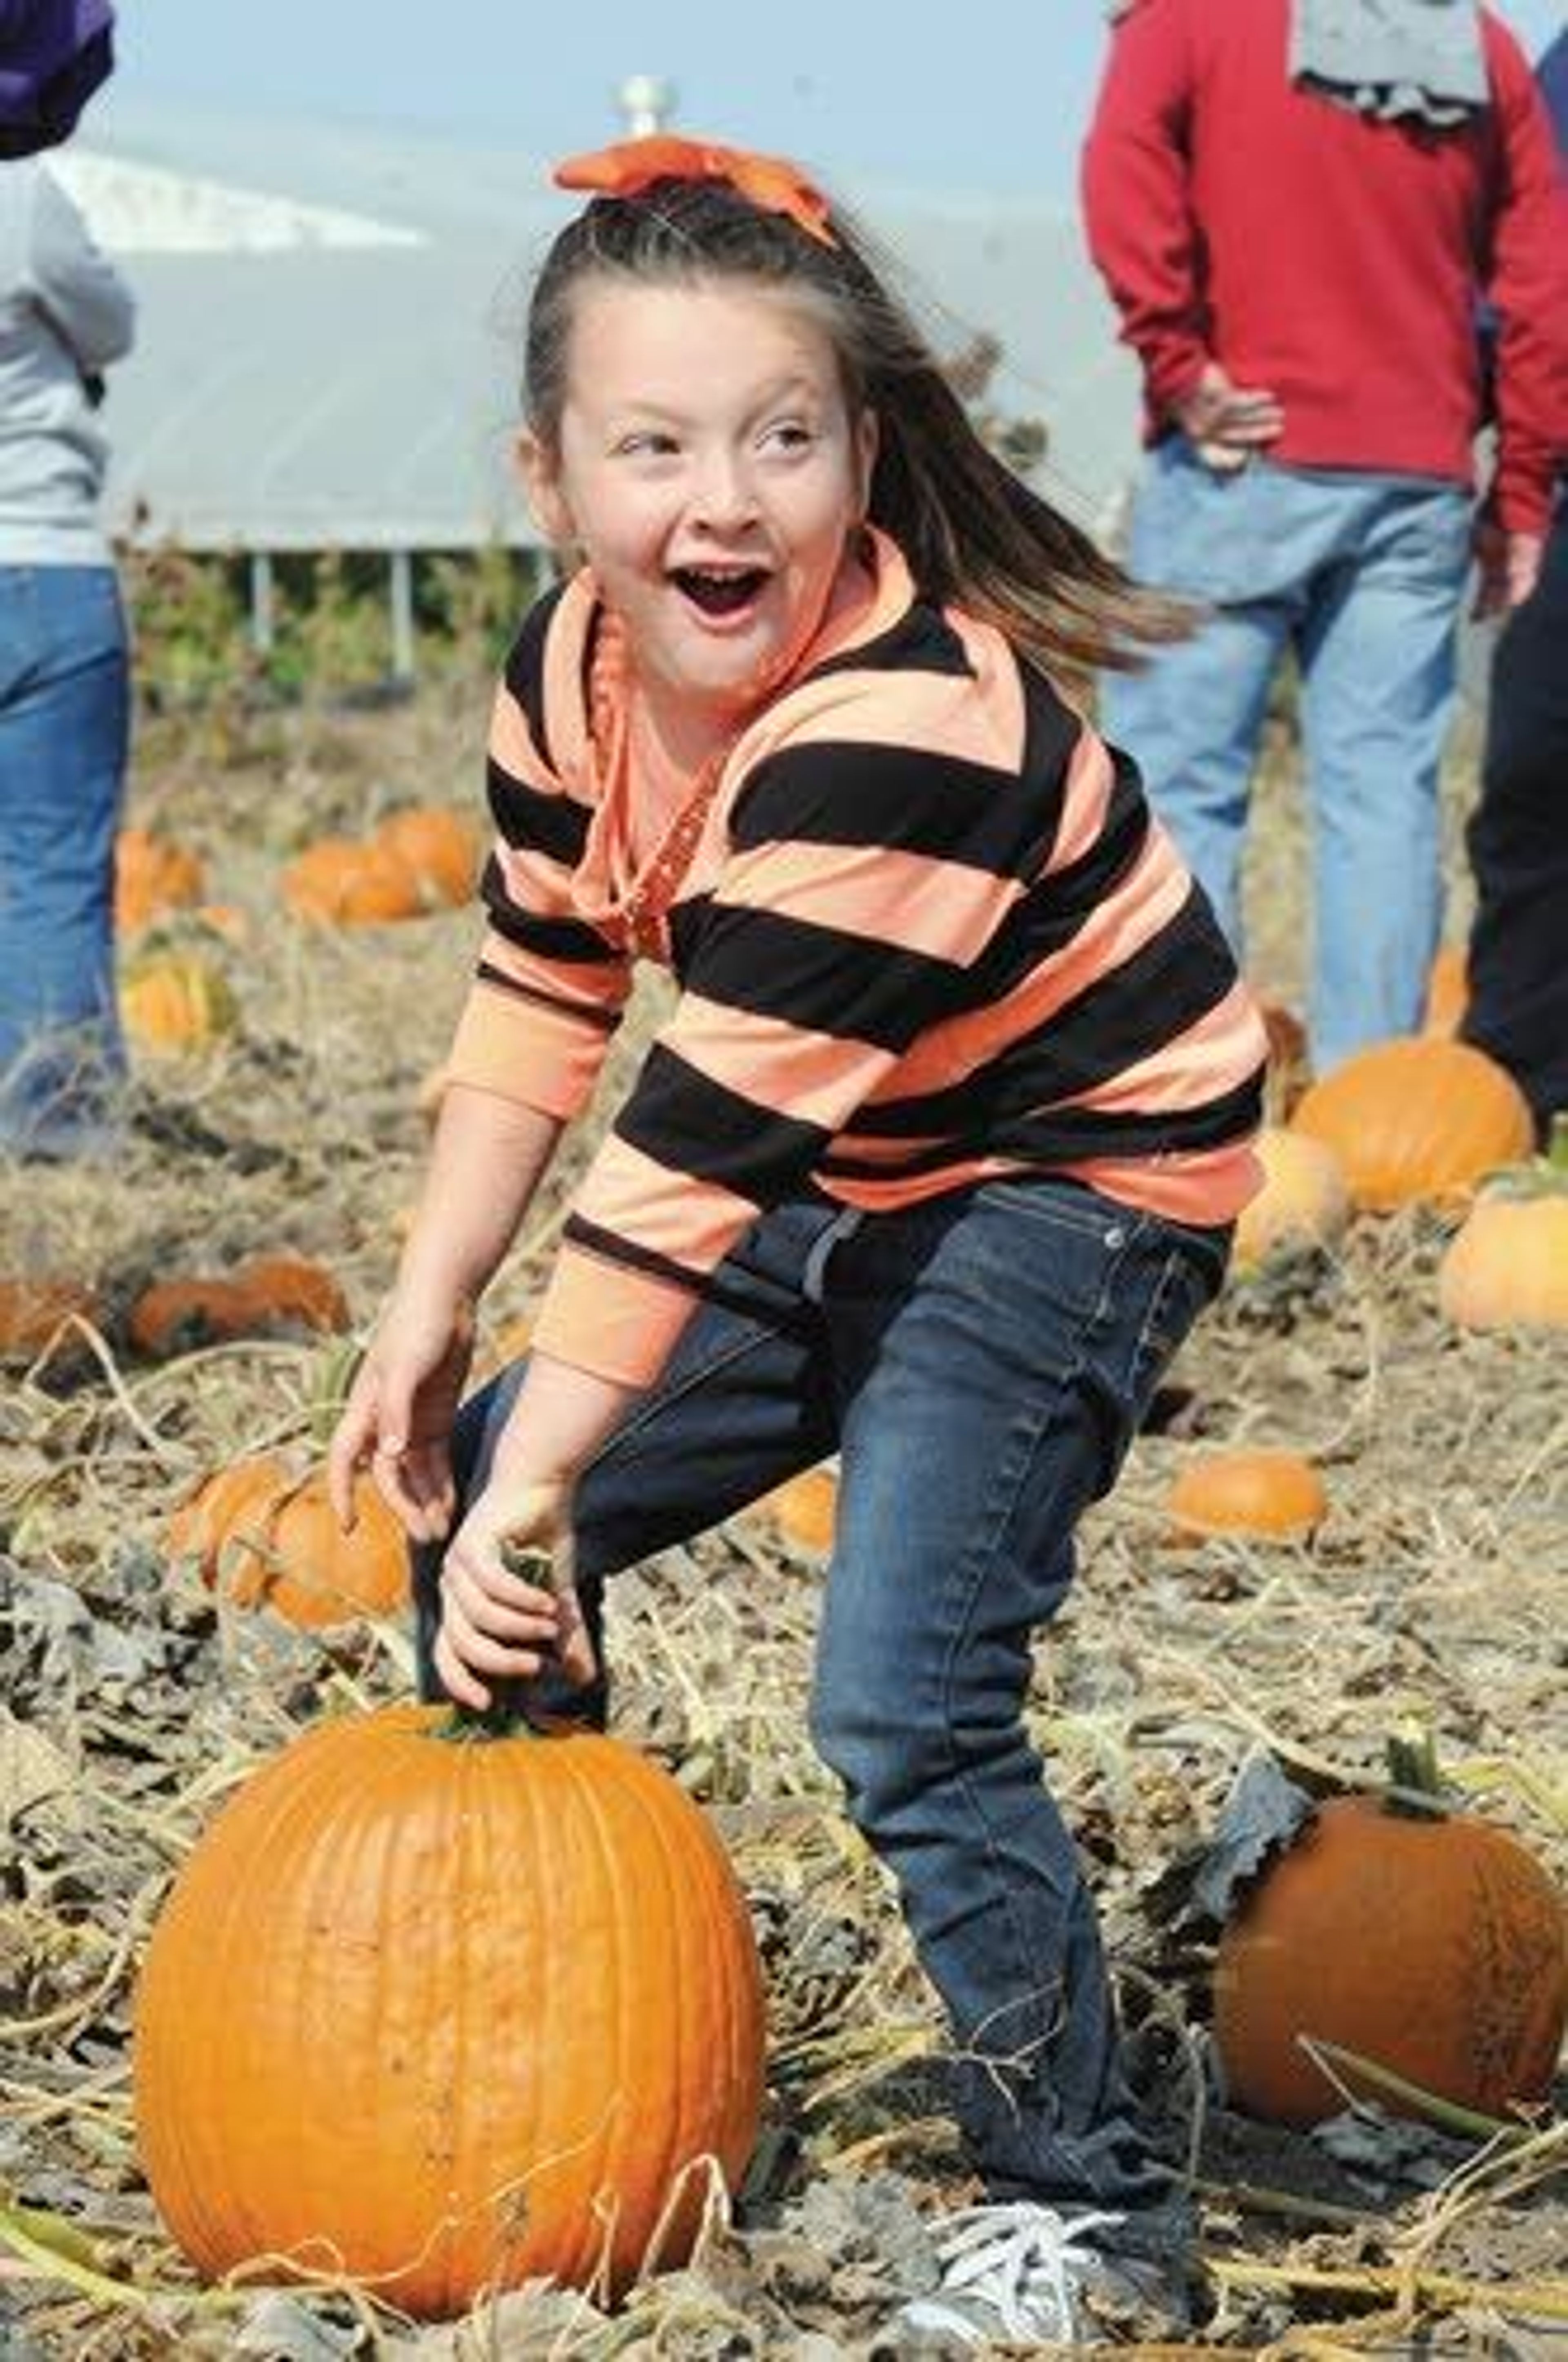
(788, 435)
(647, 445)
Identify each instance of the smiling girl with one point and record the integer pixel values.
(933, 1162)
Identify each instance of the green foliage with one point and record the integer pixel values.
(331, 624)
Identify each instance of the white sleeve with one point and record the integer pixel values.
(85, 298)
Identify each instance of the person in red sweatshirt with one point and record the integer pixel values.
(1298, 207)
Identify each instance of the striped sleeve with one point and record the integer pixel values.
(863, 884)
(549, 989)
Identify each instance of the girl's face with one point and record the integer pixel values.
(710, 471)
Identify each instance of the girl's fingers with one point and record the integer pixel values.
(534, 1617)
(462, 1686)
(348, 1451)
(482, 1652)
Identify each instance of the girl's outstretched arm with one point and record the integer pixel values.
(488, 1157)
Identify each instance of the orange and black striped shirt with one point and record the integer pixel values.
(928, 933)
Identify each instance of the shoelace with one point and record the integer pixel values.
(1008, 2257)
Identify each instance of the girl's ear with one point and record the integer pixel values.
(542, 483)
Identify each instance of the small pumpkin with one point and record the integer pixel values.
(348, 881)
(440, 846)
(1290, 1066)
(34, 1310)
(1428, 1943)
(268, 1296)
(1420, 1119)
(446, 2008)
(1270, 1493)
(1506, 1266)
(172, 1001)
(262, 1537)
(153, 875)
(1304, 1201)
(805, 1508)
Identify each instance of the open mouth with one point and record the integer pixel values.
(720, 591)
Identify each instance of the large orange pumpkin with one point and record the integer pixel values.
(1417, 1118)
(1433, 1947)
(262, 1537)
(447, 2015)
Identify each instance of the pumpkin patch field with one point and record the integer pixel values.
(642, 2009)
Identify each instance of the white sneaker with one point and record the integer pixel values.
(1020, 2273)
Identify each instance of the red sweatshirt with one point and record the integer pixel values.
(1336, 261)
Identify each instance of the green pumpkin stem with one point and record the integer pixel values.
(1416, 1786)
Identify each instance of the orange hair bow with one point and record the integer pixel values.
(633, 165)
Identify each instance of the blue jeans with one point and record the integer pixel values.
(1361, 576)
(981, 1362)
(64, 726)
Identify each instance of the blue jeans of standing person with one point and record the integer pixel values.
(1362, 575)
(981, 1362)
(1519, 847)
(64, 728)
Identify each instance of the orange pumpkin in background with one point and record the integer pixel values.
(803, 1509)
(267, 1296)
(1304, 1201)
(348, 881)
(1431, 1944)
(440, 846)
(174, 1001)
(262, 1537)
(1506, 1266)
(34, 1310)
(446, 2007)
(1273, 1494)
(153, 875)
(1418, 1119)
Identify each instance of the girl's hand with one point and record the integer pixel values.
(398, 1419)
(495, 1624)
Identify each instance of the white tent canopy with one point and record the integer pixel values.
(330, 322)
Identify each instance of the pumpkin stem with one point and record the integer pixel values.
(502, 1718)
(1416, 1786)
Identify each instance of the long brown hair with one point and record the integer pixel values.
(972, 531)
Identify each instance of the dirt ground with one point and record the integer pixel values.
(132, 1703)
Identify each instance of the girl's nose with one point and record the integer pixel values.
(722, 495)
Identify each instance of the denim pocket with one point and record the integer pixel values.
(1188, 1279)
(1224, 539)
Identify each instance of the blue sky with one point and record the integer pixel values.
(990, 96)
